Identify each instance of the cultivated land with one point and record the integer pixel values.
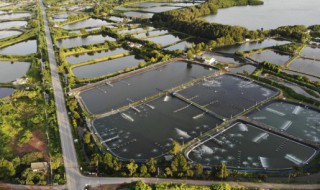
(114, 92)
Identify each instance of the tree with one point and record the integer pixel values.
(132, 167)
(86, 138)
(189, 54)
(175, 148)
(168, 172)
(198, 169)
(140, 185)
(222, 171)
(179, 165)
(6, 168)
(144, 170)
(152, 165)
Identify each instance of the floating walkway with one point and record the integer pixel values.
(279, 132)
(175, 94)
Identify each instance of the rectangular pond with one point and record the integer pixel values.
(11, 71)
(297, 120)
(307, 66)
(228, 95)
(21, 48)
(84, 40)
(312, 53)
(312, 78)
(4, 92)
(160, 9)
(148, 130)
(271, 57)
(151, 33)
(164, 40)
(244, 146)
(78, 58)
(134, 14)
(11, 24)
(244, 68)
(9, 33)
(251, 45)
(105, 98)
(106, 67)
(184, 45)
(88, 23)
(14, 16)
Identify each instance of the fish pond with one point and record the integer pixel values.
(120, 93)
(298, 120)
(148, 130)
(244, 146)
(78, 58)
(11, 71)
(106, 67)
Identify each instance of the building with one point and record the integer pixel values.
(209, 60)
(39, 166)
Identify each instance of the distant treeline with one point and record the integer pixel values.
(186, 20)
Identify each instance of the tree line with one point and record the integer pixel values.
(186, 20)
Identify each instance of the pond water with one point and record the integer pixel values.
(306, 66)
(241, 69)
(273, 14)
(4, 92)
(105, 98)
(11, 71)
(84, 40)
(11, 24)
(160, 9)
(309, 52)
(8, 33)
(228, 95)
(116, 19)
(88, 23)
(106, 67)
(246, 147)
(297, 120)
(184, 45)
(148, 4)
(150, 132)
(74, 59)
(26, 47)
(14, 16)
(138, 14)
(251, 45)
(151, 33)
(300, 90)
(224, 59)
(164, 40)
(312, 78)
(134, 30)
(272, 57)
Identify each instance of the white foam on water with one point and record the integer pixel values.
(266, 92)
(293, 159)
(127, 117)
(182, 133)
(259, 118)
(259, 138)
(275, 111)
(286, 125)
(243, 127)
(212, 83)
(297, 110)
(264, 162)
(166, 98)
(206, 150)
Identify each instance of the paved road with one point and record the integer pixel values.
(75, 180)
